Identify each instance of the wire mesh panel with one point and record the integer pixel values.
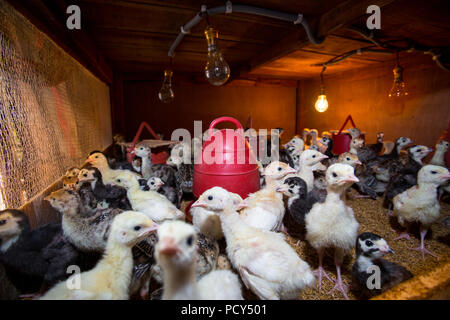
(53, 111)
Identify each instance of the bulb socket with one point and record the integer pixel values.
(211, 35)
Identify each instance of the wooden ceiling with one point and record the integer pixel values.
(134, 36)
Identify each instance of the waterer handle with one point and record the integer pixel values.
(223, 119)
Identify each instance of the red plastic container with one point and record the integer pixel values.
(157, 158)
(341, 141)
(226, 161)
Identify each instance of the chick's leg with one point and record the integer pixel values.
(339, 286)
(421, 248)
(319, 272)
(405, 234)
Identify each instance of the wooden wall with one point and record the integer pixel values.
(363, 94)
(270, 106)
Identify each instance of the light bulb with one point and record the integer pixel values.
(217, 70)
(166, 94)
(321, 103)
(398, 89)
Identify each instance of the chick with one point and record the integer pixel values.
(70, 183)
(86, 233)
(378, 147)
(33, 257)
(7, 290)
(404, 177)
(111, 277)
(163, 171)
(72, 172)
(370, 248)
(420, 203)
(174, 195)
(176, 253)
(355, 133)
(439, 154)
(113, 196)
(367, 183)
(137, 164)
(365, 154)
(184, 171)
(265, 208)
(327, 142)
(300, 201)
(332, 224)
(207, 221)
(267, 264)
(99, 161)
(154, 205)
(308, 160)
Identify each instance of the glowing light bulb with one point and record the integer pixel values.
(166, 94)
(398, 89)
(217, 70)
(321, 103)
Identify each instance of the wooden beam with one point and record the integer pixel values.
(339, 16)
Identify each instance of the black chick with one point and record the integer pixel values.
(404, 177)
(300, 201)
(327, 141)
(370, 248)
(7, 290)
(33, 257)
(377, 147)
(114, 196)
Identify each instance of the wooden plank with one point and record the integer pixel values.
(333, 19)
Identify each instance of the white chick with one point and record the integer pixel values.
(207, 221)
(267, 264)
(111, 277)
(420, 202)
(265, 208)
(332, 224)
(439, 154)
(176, 254)
(155, 205)
(310, 161)
(99, 161)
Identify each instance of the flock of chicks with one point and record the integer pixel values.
(123, 230)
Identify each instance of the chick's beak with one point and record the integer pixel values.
(386, 249)
(351, 178)
(290, 170)
(446, 175)
(167, 246)
(323, 157)
(358, 162)
(199, 203)
(149, 230)
(282, 188)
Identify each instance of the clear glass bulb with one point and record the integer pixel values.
(166, 94)
(321, 103)
(398, 89)
(217, 70)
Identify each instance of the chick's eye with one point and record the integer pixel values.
(334, 174)
(433, 172)
(279, 168)
(85, 175)
(137, 228)
(210, 198)
(369, 243)
(190, 240)
(2, 222)
(314, 156)
(118, 180)
(96, 157)
(348, 159)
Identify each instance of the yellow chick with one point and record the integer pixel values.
(111, 277)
